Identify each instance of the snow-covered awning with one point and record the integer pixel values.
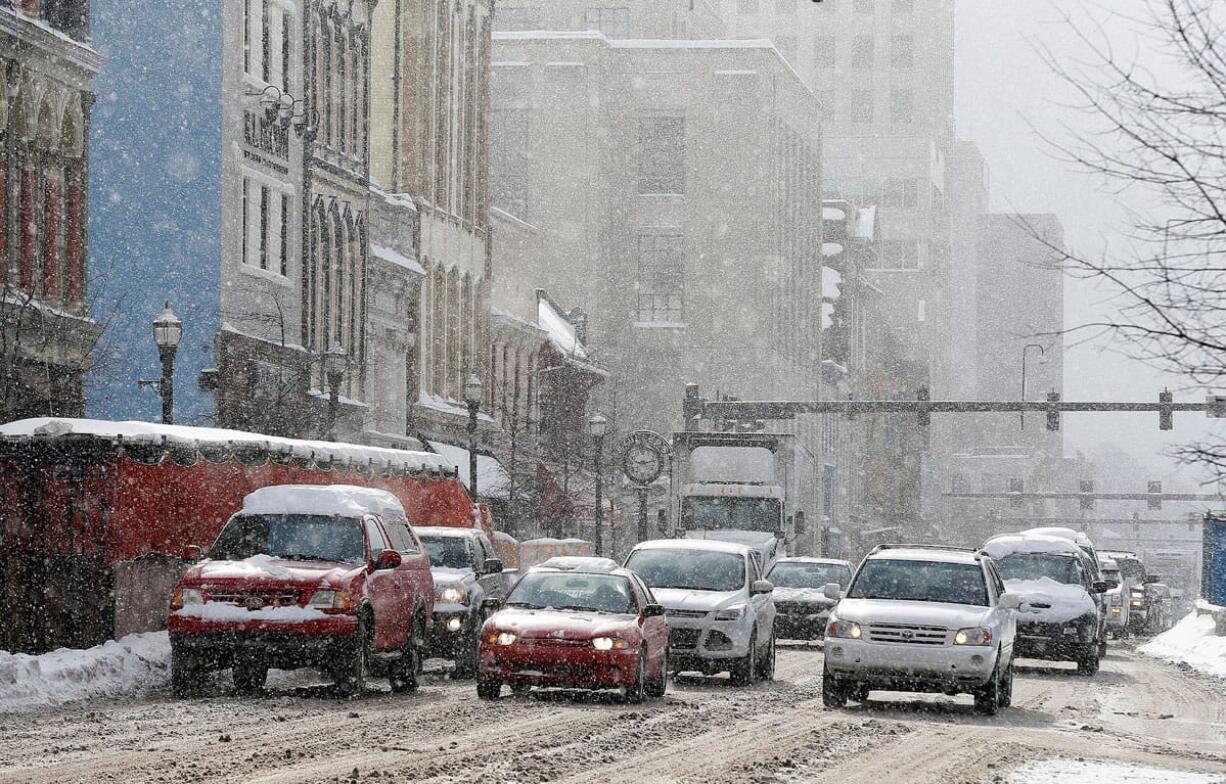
(493, 481)
(831, 249)
(562, 336)
(393, 256)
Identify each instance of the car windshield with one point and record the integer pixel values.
(920, 581)
(695, 570)
(291, 536)
(450, 552)
(603, 593)
(1035, 566)
(808, 575)
(738, 514)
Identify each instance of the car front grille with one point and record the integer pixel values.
(907, 633)
(686, 613)
(254, 599)
(554, 642)
(799, 608)
(684, 638)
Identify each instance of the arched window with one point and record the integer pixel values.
(324, 80)
(339, 263)
(438, 333)
(342, 86)
(468, 362)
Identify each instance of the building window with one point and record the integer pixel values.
(516, 19)
(899, 254)
(862, 52)
(823, 51)
(264, 225)
(247, 35)
(611, 22)
(284, 221)
(661, 290)
(902, 108)
(246, 258)
(509, 156)
(786, 44)
(265, 42)
(902, 51)
(747, 6)
(862, 7)
(862, 106)
(662, 155)
(785, 7)
(286, 42)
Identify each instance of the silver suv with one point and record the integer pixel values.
(923, 619)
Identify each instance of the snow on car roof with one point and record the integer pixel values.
(1063, 533)
(579, 563)
(711, 545)
(913, 553)
(1010, 544)
(330, 500)
(812, 560)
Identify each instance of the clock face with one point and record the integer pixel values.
(642, 464)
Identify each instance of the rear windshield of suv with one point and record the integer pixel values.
(1036, 566)
(291, 536)
(808, 575)
(448, 552)
(695, 570)
(920, 581)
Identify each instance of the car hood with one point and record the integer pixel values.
(447, 576)
(559, 624)
(806, 595)
(688, 599)
(264, 570)
(950, 616)
(1048, 601)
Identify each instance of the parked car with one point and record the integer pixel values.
(319, 576)
(1060, 619)
(922, 619)
(1115, 599)
(720, 608)
(466, 572)
(576, 622)
(801, 604)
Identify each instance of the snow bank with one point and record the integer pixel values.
(1066, 602)
(1065, 771)
(1192, 642)
(134, 663)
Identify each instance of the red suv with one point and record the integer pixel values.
(306, 576)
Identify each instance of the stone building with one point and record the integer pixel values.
(46, 332)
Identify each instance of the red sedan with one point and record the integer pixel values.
(577, 622)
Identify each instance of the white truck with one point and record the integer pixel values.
(756, 489)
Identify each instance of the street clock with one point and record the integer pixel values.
(644, 455)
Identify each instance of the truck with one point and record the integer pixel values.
(757, 489)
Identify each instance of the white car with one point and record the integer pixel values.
(922, 619)
(720, 612)
(1115, 600)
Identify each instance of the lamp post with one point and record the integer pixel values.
(473, 392)
(598, 426)
(335, 360)
(1042, 359)
(167, 332)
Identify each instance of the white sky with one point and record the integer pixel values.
(1004, 92)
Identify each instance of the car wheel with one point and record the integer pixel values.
(1087, 663)
(467, 655)
(743, 670)
(635, 694)
(186, 673)
(488, 689)
(1006, 693)
(766, 667)
(250, 674)
(988, 697)
(833, 693)
(1102, 649)
(350, 671)
(658, 685)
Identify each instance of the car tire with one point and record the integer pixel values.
(186, 673)
(1102, 649)
(351, 670)
(488, 689)
(1006, 692)
(402, 673)
(657, 686)
(1087, 662)
(467, 656)
(833, 694)
(766, 666)
(988, 696)
(634, 694)
(250, 674)
(744, 670)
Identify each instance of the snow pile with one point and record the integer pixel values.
(135, 663)
(1065, 602)
(1065, 771)
(1191, 641)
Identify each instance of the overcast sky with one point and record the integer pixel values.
(1004, 88)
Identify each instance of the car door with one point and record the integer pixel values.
(1003, 621)
(413, 575)
(763, 604)
(655, 630)
(385, 589)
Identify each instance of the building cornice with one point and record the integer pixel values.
(39, 34)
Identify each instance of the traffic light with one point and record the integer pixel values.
(1053, 416)
(1166, 417)
(924, 416)
(1087, 488)
(1156, 489)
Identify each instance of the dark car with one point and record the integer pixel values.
(466, 573)
(801, 603)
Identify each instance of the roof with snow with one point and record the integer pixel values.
(1030, 544)
(493, 481)
(392, 256)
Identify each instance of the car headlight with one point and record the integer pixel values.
(182, 597)
(329, 599)
(451, 594)
(973, 636)
(501, 638)
(846, 630)
(730, 614)
(1137, 603)
(609, 643)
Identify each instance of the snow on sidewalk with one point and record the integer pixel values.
(1067, 771)
(134, 663)
(1191, 642)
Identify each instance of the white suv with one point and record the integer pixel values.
(720, 612)
(924, 619)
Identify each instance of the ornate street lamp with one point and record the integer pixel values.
(598, 427)
(473, 392)
(167, 332)
(335, 362)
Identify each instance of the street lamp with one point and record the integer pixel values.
(598, 426)
(167, 332)
(473, 393)
(335, 360)
(1042, 361)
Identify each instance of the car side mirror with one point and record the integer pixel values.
(1010, 601)
(653, 611)
(761, 587)
(1150, 579)
(192, 553)
(491, 566)
(1111, 584)
(832, 591)
(388, 559)
(491, 604)
(1100, 586)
